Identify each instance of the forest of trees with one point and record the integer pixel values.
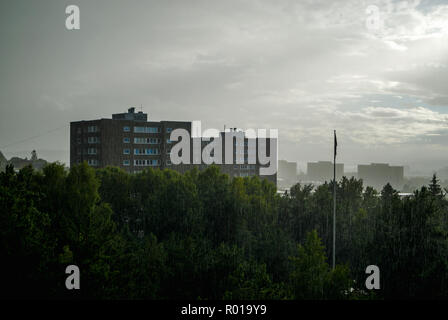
(202, 235)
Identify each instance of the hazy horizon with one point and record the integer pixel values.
(302, 67)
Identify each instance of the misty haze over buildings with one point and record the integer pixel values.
(304, 67)
(375, 175)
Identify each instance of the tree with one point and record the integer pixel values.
(435, 189)
(26, 246)
(312, 278)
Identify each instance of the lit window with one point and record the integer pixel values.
(139, 140)
(92, 129)
(146, 162)
(93, 140)
(146, 129)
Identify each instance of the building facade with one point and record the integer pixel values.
(322, 171)
(377, 175)
(133, 143)
(287, 174)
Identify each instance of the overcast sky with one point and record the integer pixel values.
(302, 67)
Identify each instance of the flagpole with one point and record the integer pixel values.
(334, 200)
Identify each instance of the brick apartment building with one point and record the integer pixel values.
(133, 143)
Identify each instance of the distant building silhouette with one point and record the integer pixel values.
(33, 155)
(19, 163)
(377, 175)
(323, 171)
(287, 174)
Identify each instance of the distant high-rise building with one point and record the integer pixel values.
(377, 175)
(19, 163)
(322, 171)
(287, 173)
(132, 143)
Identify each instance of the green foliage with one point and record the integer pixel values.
(250, 281)
(201, 235)
(310, 271)
(312, 277)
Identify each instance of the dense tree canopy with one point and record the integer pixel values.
(201, 235)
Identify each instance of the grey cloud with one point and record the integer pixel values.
(305, 67)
